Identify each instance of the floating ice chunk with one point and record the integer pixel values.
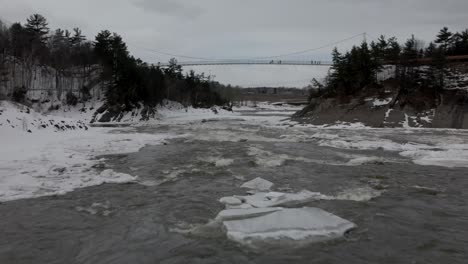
(241, 206)
(258, 184)
(361, 194)
(294, 227)
(224, 162)
(110, 176)
(272, 199)
(381, 102)
(237, 214)
(230, 201)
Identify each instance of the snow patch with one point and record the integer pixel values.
(49, 162)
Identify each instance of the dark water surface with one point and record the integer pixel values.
(180, 184)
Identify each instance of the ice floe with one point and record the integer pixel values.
(237, 214)
(283, 226)
(271, 219)
(275, 199)
(258, 184)
(231, 201)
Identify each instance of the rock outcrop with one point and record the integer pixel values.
(391, 107)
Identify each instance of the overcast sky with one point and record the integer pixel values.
(243, 28)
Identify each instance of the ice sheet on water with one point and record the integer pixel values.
(237, 214)
(258, 184)
(291, 227)
(230, 201)
(272, 199)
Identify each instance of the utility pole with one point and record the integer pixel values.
(365, 36)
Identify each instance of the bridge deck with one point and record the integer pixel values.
(253, 62)
(422, 61)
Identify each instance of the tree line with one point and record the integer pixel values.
(359, 67)
(127, 80)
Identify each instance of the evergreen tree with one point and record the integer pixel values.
(460, 43)
(38, 27)
(77, 39)
(410, 50)
(393, 51)
(60, 50)
(4, 40)
(173, 70)
(444, 38)
(430, 50)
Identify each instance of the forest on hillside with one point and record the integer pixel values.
(127, 81)
(415, 65)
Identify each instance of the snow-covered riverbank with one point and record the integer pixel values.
(48, 154)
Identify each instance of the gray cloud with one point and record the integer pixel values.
(244, 28)
(170, 7)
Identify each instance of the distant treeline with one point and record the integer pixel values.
(359, 68)
(127, 80)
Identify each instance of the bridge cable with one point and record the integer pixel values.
(257, 58)
(168, 54)
(309, 50)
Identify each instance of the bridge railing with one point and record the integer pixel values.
(252, 62)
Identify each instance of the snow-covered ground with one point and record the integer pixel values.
(38, 160)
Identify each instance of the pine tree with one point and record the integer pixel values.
(38, 27)
(444, 38)
(430, 50)
(77, 38)
(410, 50)
(19, 40)
(460, 43)
(393, 51)
(174, 70)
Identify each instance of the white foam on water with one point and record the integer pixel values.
(450, 158)
(359, 194)
(266, 158)
(218, 161)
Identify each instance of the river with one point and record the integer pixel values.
(406, 209)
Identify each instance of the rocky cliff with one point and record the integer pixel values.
(390, 107)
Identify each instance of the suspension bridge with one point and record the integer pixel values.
(288, 69)
(252, 62)
(301, 58)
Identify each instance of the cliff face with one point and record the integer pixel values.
(392, 108)
(46, 83)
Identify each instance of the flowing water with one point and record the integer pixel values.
(405, 213)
